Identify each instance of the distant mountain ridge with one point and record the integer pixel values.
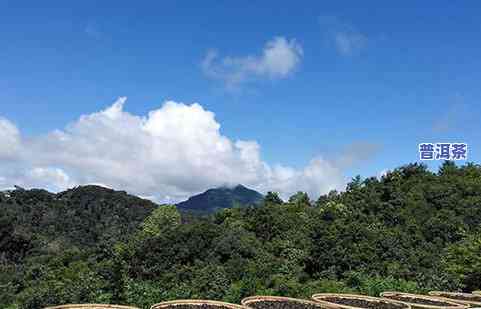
(220, 198)
(81, 216)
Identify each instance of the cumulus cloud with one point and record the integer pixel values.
(173, 152)
(9, 139)
(346, 38)
(279, 58)
(51, 177)
(319, 177)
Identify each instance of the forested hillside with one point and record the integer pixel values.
(411, 230)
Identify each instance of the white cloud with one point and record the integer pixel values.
(173, 152)
(279, 58)
(24, 175)
(319, 177)
(9, 139)
(346, 38)
(52, 177)
(348, 43)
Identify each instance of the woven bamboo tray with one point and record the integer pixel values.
(250, 301)
(196, 302)
(468, 299)
(411, 299)
(323, 298)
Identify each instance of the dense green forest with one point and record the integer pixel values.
(412, 230)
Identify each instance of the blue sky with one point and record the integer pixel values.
(382, 76)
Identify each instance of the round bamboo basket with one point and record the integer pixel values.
(196, 302)
(323, 298)
(467, 299)
(250, 301)
(411, 299)
(91, 306)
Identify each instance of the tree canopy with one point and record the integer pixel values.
(410, 230)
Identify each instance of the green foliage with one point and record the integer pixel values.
(332, 210)
(163, 217)
(209, 281)
(412, 230)
(463, 261)
(8, 284)
(144, 293)
(273, 198)
(374, 285)
(75, 282)
(300, 198)
(85, 216)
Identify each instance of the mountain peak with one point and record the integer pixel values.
(239, 186)
(220, 198)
